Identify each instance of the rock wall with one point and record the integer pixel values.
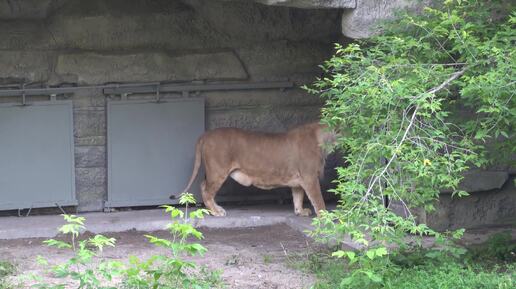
(85, 42)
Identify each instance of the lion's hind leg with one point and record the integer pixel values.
(298, 194)
(209, 190)
(313, 191)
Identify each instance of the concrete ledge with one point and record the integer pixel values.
(150, 220)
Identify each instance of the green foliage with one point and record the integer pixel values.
(498, 248)
(6, 269)
(81, 268)
(414, 108)
(419, 268)
(173, 271)
(88, 270)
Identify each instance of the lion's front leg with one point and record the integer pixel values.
(298, 195)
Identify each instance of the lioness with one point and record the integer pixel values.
(292, 159)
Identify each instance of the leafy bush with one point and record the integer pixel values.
(419, 269)
(81, 268)
(87, 269)
(414, 108)
(498, 248)
(173, 271)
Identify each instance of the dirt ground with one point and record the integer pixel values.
(248, 257)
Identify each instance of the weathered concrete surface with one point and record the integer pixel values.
(307, 3)
(220, 100)
(90, 156)
(22, 66)
(478, 181)
(266, 118)
(244, 23)
(361, 22)
(481, 181)
(26, 9)
(151, 66)
(287, 60)
(150, 220)
(494, 207)
(90, 127)
(91, 188)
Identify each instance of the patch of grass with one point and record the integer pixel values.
(267, 259)
(499, 248)
(490, 265)
(451, 275)
(6, 269)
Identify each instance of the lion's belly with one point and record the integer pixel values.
(265, 182)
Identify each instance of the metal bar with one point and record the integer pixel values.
(61, 208)
(151, 87)
(199, 87)
(62, 90)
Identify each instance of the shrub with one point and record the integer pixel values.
(398, 102)
(88, 270)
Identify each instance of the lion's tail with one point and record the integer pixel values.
(197, 163)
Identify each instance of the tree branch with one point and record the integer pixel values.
(409, 127)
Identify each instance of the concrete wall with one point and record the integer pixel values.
(56, 42)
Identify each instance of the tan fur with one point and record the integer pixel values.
(293, 159)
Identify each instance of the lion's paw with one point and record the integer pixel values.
(304, 212)
(218, 212)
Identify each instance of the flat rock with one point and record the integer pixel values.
(94, 68)
(480, 181)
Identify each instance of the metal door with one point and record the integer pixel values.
(151, 149)
(36, 155)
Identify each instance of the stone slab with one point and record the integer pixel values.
(266, 118)
(90, 156)
(273, 60)
(94, 68)
(307, 4)
(89, 123)
(361, 21)
(480, 181)
(25, 66)
(26, 9)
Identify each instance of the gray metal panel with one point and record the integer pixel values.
(151, 149)
(36, 155)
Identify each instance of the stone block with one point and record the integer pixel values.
(26, 9)
(24, 35)
(477, 210)
(480, 181)
(90, 156)
(92, 68)
(361, 22)
(263, 119)
(175, 28)
(25, 66)
(90, 187)
(308, 4)
(90, 179)
(244, 24)
(89, 123)
(90, 141)
(227, 100)
(284, 60)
